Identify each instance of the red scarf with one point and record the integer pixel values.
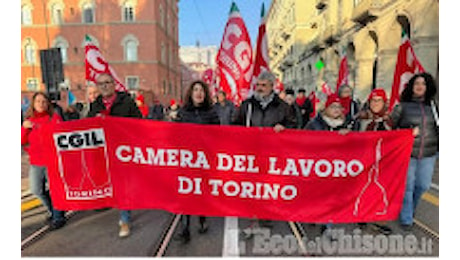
(108, 102)
(346, 104)
(300, 101)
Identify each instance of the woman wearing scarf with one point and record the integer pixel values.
(39, 114)
(376, 118)
(350, 106)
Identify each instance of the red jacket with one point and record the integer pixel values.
(32, 138)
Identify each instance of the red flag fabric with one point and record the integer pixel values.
(279, 86)
(342, 79)
(234, 58)
(314, 176)
(95, 64)
(261, 58)
(326, 89)
(313, 101)
(407, 65)
(208, 76)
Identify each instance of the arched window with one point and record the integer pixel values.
(130, 44)
(62, 44)
(128, 11)
(405, 24)
(26, 14)
(87, 12)
(57, 12)
(30, 51)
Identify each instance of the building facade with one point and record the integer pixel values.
(139, 39)
(368, 31)
(198, 54)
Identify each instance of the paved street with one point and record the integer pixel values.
(95, 233)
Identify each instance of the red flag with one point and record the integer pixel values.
(313, 101)
(95, 64)
(406, 66)
(279, 86)
(343, 72)
(326, 89)
(234, 58)
(261, 57)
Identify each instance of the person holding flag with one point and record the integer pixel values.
(417, 110)
(113, 103)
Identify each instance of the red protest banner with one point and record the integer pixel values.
(228, 170)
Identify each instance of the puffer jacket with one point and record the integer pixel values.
(198, 115)
(413, 114)
(277, 112)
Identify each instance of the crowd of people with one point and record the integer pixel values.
(265, 108)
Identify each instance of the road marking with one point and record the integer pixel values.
(230, 248)
(168, 237)
(435, 186)
(426, 228)
(30, 204)
(34, 235)
(431, 198)
(297, 235)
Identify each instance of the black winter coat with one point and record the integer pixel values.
(277, 112)
(413, 114)
(123, 106)
(198, 115)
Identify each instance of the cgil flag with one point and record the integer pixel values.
(342, 79)
(95, 64)
(406, 66)
(261, 57)
(234, 58)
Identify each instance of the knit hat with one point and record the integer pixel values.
(378, 92)
(333, 98)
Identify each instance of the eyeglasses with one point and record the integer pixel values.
(103, 83)
(336, 106)
(261, 84)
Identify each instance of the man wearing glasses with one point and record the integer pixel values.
(114, 103)
(264, 109)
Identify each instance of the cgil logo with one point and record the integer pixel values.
(79, 140)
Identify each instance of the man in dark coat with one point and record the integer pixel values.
(120, 104)
(265, 108)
